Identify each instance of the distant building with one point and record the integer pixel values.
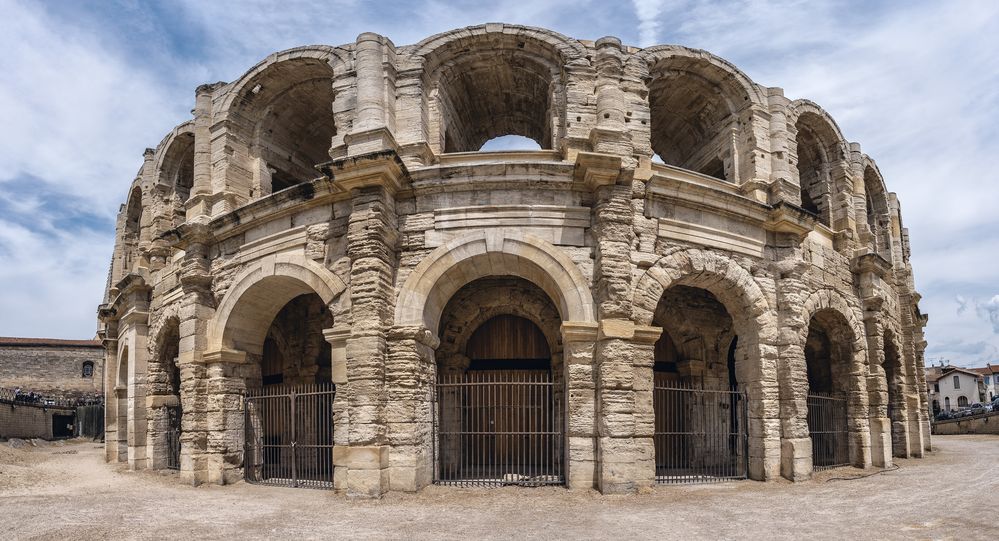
(989, 382)
(55, 368)
(952, 387)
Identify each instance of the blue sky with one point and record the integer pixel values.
(87, 85)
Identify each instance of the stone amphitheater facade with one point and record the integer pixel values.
(332, 209)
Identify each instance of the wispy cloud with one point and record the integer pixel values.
(87, 85)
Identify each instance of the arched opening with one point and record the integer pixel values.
(506, 143)
(286, 113)
(500, 386)
(962, 401)
(502, 85)
(131, 233)
(700, 414)
(828, 355)
(272, 323)
(896, 400)
(88, 369)
(878, 216)
(121, 404)
(817, 152)
(694, 109)
(165, 383)
(178, 173)
(947, 403)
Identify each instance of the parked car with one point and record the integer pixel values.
(943, 416)
(978, 408)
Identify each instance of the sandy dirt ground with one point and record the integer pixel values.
(66, 491)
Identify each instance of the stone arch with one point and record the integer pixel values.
(878, 210)
(259, 293)
(755, 324)
(489, 81)
(697, 105)
(833, 311)
(174, 163)
(819, 159)
(281, 119)
(492, 253)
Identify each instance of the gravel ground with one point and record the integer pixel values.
(67, 491)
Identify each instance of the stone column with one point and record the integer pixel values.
(625, 415)
(784, 177)
(609, 135)
(370, 131)
(409, 374)
(199, 202)
(136, 334)
(578, 339)
(878, 393)
(792, 374)
(225, 372)
(197, 308)
(372, 234)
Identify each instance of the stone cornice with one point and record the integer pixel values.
(224, 355)
(786, 218)
(579, 331)
(872, 263)
(594, 170)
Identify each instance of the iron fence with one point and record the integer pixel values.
(498, 427)
(289, 436)
(173, 438)
(700, 434)
(827, 426)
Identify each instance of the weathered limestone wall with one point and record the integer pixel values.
(980, 424)
(29, 421)
(52, 369)
(382, 208)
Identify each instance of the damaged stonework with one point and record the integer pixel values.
(329, 218)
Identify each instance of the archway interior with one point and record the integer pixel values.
(291, 416)
(699, 427)
(178, 169)
(878, 219)
(828, 354)
(816, 153)
(131, 235)
(288, 111)
(165, 380)
(495, 90)
(892, 367)
(692, 116)
(500, 383)
(295, 351)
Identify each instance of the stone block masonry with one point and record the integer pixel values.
(330, 217)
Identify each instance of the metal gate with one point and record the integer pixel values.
(498, 427)
(827, 427)
(700, 435)
(173, 437)
(289, 436)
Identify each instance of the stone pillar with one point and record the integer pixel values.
(578, 339)
(199, 201)
(610, 136)
(136, 334)
(197, 308)
(225, 372)
(625, 416)
(878, 393)
(370, 131)
(792, 375)
(372, 234)
(784, 177)
(410, 372)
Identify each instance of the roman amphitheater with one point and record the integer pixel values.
(321, 279)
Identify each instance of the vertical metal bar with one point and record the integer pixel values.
(294, 440)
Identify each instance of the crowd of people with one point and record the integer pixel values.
(18, 395)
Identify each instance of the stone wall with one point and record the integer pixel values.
(52, 367)
(979, 424)
(671, 193)
(30, 421)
